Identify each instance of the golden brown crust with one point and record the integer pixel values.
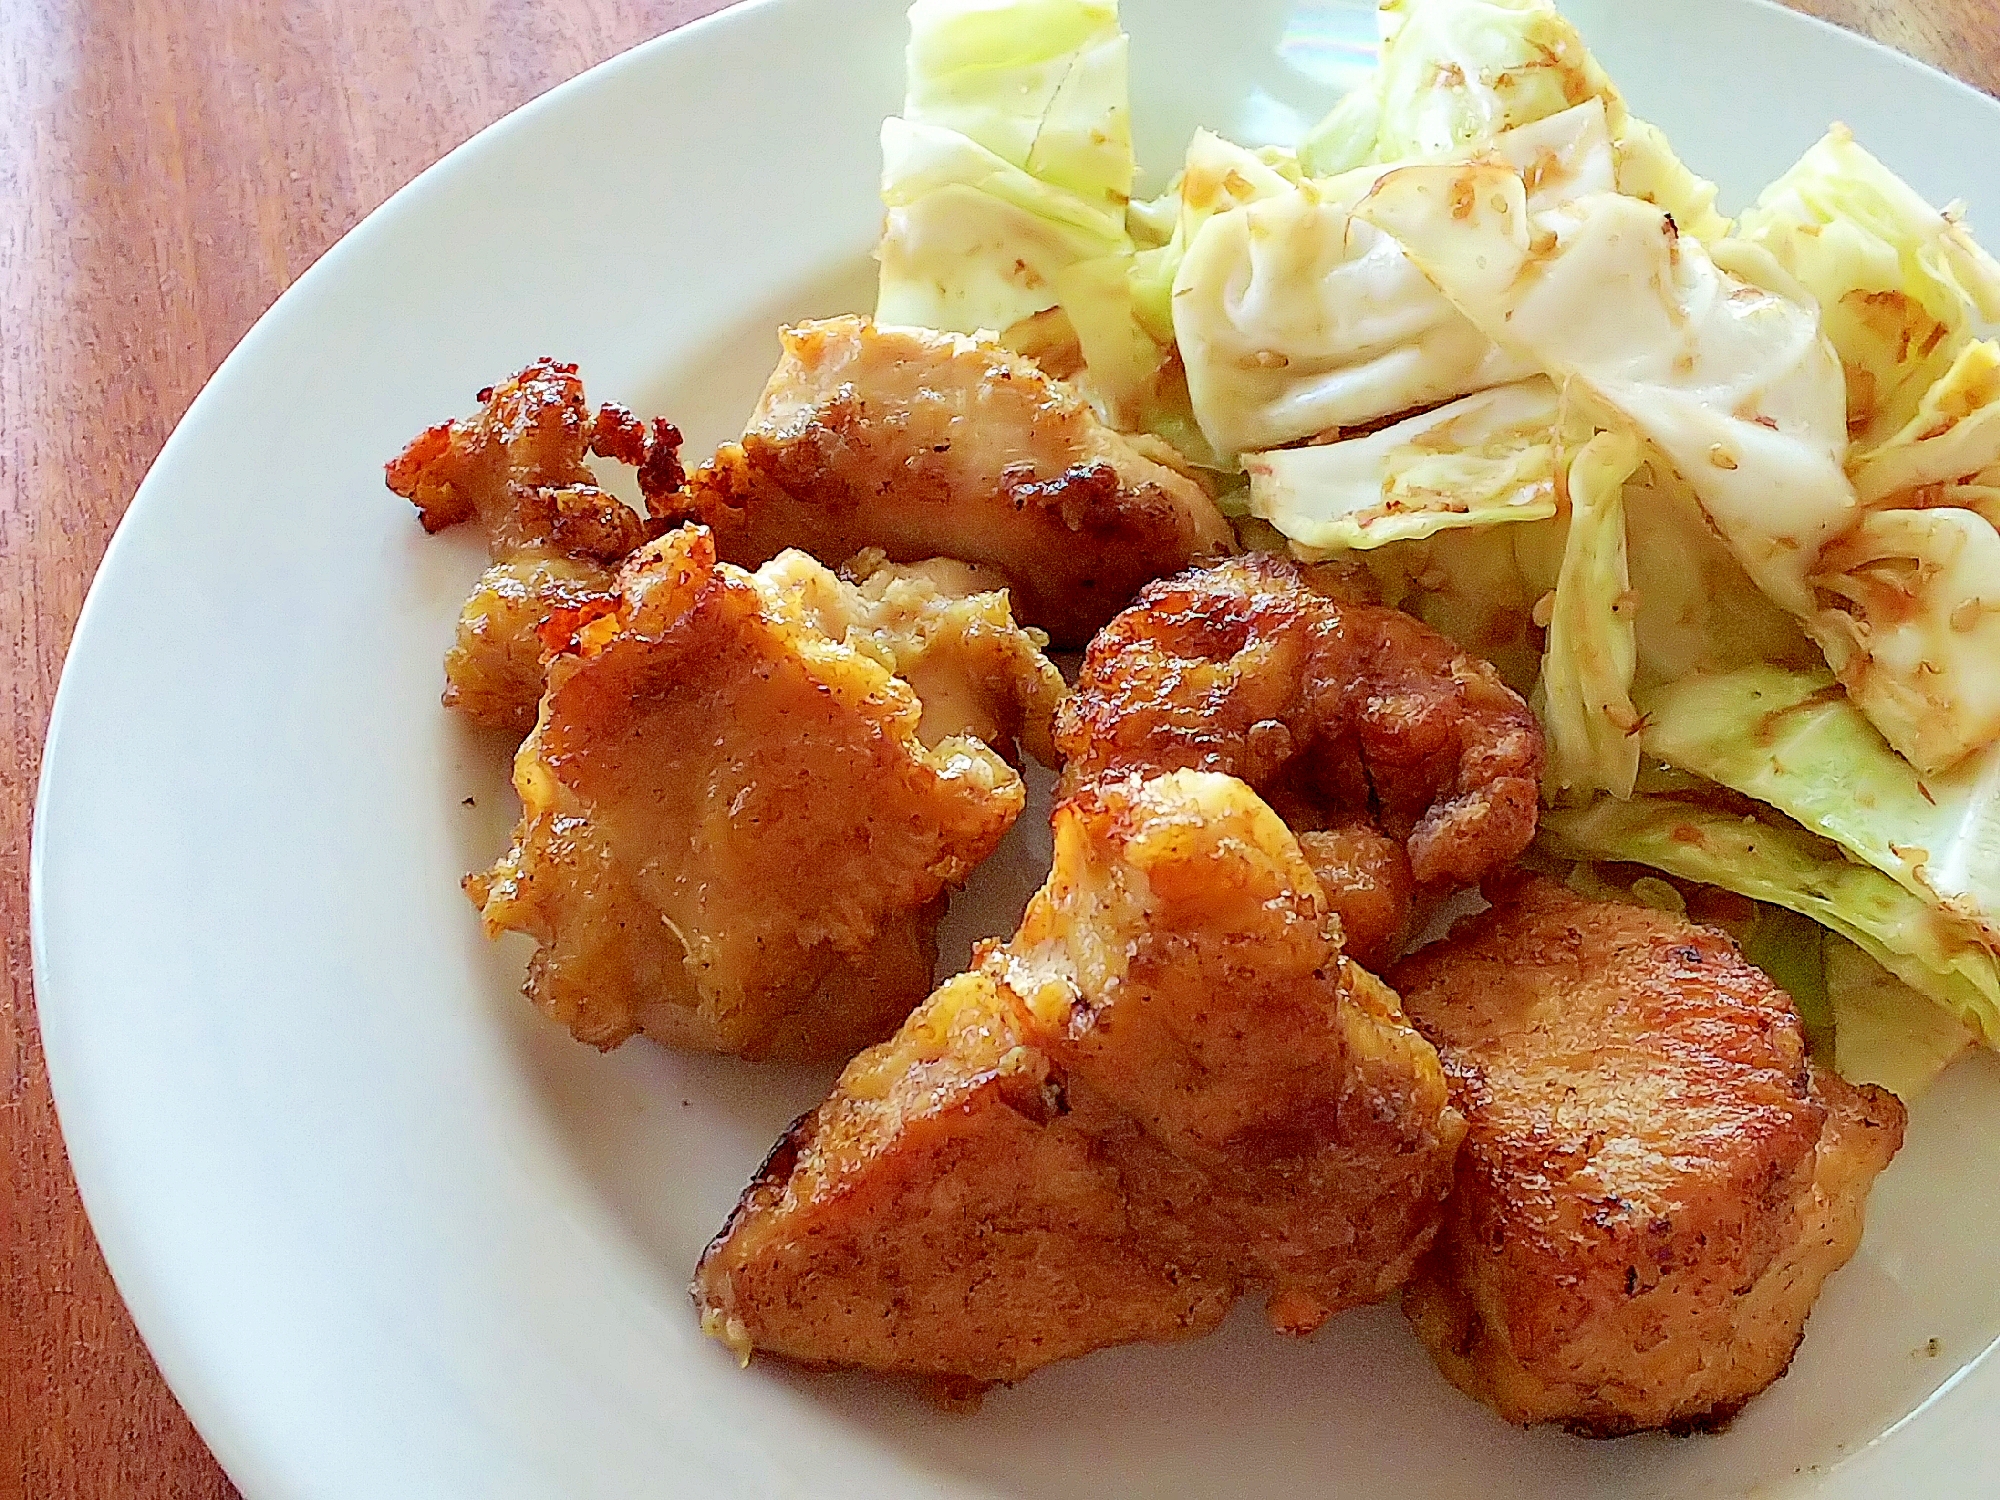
(517, 468)
(1167, 1089)
(735, 837)
(1351, 719)
(928, 444)
(1654, 1182)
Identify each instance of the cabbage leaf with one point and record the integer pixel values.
(1455, 74)
(1789, 867)
(1952, 440)
(970, 241)
(1011, 163)
(1698, 610)
(1294, 318)
(1217, 175)
(1902, 287)
(1725, 376)
(1794, 741)
(1480, 586)
(1585, 694)
(1885, 1032)
(1913, 628)
(1484, 460)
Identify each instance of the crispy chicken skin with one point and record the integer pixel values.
(516, 470)
(1168, 1089)
(1401, 761)
(930, 444)
(736, 831)
(1655, 1181)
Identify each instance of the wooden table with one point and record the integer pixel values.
(167, 167)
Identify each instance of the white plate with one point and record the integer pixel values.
(387, 1232)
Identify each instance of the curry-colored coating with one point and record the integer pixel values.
(927, 444)
(736, 835)
(1404, 763)
(1655, 1182)
(1168, 1089)
(516, 469)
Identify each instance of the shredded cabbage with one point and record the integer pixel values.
(1585, 694)
(1793, 740)
(1789, 867)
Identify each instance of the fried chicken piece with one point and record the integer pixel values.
(1168, 1089)
(1655, 1182)
(1406, 765)
(930, 444)
(517, 471)
(739, 820)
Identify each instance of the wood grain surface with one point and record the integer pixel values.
(167, 167)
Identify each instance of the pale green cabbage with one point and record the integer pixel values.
(1795, 741)
(1295, 319)
(1789, 867)
(971, 241)
(1885, 1032)
(1902, 287)
(1484, 460)
(1913, 592)
(1217, 175)
(1698, 610)
(1913, 628)
(1454, 74)
(1040, 83)
(1952, 441)
(1479, 586)
(1648, 168)
(1725, 376)
(1585, 694)
(1011, 163)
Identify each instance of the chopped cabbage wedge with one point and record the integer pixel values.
(1011, 163)
(1585, 695)
(1902, 287)
(1484, 460)
(1913, 628)
(1885, 1032)
(1725, 376)
(1041, 83)
(1794, 741)
(1953, 439)
(1479, 586)
(970, 241)
(1218, 175)
(1454, 74)
(1294, 318)
(1789, 867)
(1698, 610)
(1648, 168)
